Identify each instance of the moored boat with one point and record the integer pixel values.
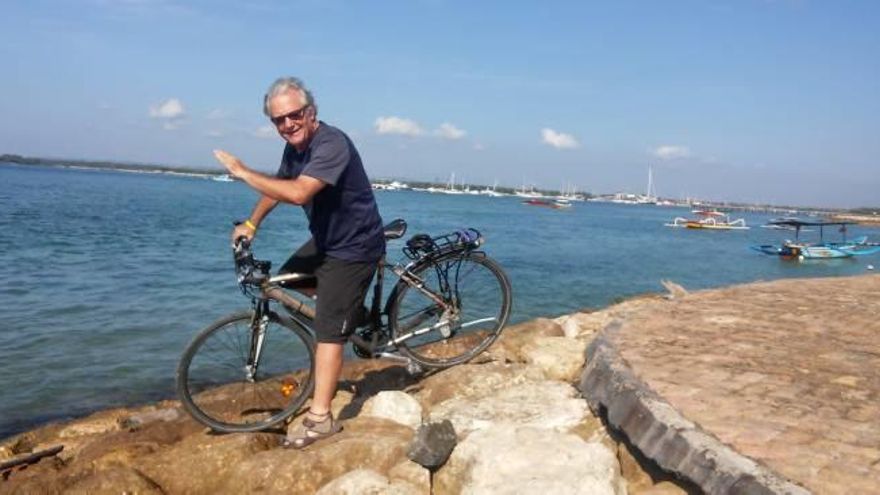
(557, 204)
(817, 250)
(710, 220)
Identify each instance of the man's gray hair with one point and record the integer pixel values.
(285, 84)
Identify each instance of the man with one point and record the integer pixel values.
(322, 171)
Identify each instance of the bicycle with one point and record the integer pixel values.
(253, 369)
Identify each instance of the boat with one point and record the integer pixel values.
(556, 204)
(568, 194)
(779, 224)
(450, 187)
(528, 193)
(491, 191)
(624, 198)
(390, 186)
(822, 249)
(650, 196)
(709, 220)
(222, 178)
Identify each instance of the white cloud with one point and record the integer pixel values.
(169, 109)
(214, 133)
(217, 114)
(397, 125)
(671, 152)
(449, 131)
(265, 132)
(558, 140)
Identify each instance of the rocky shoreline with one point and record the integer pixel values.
(520, 424)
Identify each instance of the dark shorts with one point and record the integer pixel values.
(341, 289)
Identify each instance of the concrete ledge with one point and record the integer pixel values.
(661, 433)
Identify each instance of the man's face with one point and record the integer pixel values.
(294, 121)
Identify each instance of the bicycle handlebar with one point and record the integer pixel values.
(248, 271)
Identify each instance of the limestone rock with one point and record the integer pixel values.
(547, 404)
(366, 482)
(201, 463)
(394, 405)
(125, 454)
(508, 347)
(583, 326)
(90, 426)
(364, 443)
(510, 459)
(559, 358)
(413, 474)
(432, 444)
(516, 420)
(141, 418)
(115, 480)
(470, 380)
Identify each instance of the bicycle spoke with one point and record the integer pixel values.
(477, 295)
(215, 384)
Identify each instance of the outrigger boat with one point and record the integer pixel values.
(709, 219)
(818, 250)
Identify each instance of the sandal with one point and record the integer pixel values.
(311, 431)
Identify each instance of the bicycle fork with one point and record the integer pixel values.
(259, 324)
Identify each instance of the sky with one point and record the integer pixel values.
(770, 101)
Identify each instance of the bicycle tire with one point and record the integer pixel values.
(211, 381)
(481, 292)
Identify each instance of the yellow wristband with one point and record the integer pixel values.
(250, 225)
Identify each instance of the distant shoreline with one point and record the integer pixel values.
(860, 219)
(112, 166)
(866, 215)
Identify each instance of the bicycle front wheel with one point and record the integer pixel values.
(476, 297)
(223, 387)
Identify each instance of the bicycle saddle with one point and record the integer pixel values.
(395, 229)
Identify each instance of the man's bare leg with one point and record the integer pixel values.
(328, 367)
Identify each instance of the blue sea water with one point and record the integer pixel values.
(105, 276)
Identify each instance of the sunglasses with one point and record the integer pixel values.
(296, 116)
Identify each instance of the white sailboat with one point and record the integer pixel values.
(450, 188)
(492, 192)
(650, 196)
(530, 193)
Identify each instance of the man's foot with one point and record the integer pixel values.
(314, 427)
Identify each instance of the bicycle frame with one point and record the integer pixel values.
(304, 314)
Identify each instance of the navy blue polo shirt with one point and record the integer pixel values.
(343, 217)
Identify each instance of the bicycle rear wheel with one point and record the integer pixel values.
(478, 296)
(216, 386)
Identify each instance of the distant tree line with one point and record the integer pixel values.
(62, 162)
